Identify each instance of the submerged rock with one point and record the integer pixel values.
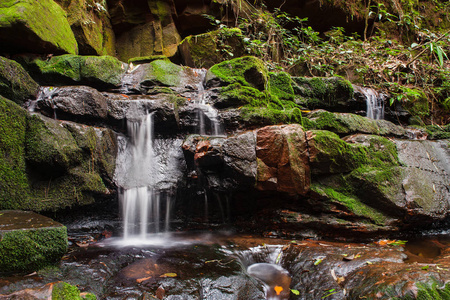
(35, 27)
(29, 242)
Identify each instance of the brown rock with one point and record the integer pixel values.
(282, 159)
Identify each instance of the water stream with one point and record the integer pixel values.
(374, 102)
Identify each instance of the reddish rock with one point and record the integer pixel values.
(282, 159)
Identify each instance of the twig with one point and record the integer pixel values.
(424, 50)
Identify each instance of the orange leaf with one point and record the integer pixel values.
(169, 275)
(278, 289)
(143, 279)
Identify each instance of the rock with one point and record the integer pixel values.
(15, 83)
(204, 50)
(328, 93)
(29, 241)
(35, 27)
(68, 164)
(144, 28)
(80, 103)
(91, 26)
(346, 123)
(101, 72)
(14, 186)
(282, 159)
(247, 71)
(54, 290)
(240, 156)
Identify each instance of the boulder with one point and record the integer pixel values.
(15, 83)
(101, 72)
(80, 103)
(35, 27)
(204, 50)
(91, 26)
(282, 159)
(332, 93)
(29, 241)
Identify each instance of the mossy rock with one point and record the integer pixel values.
(346, 123)
(65, 291)
(14, 188)
(319, 92)
(91, 26)
(35, 27)
(29, 242)
(15, 83)
(330, 155)
(205, 50)
(146, 59)
(280, 85)
(247, 71)
(161, 73)
(101, 72)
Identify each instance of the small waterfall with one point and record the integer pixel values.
(207, 114)
(374, 101)
(144, 195)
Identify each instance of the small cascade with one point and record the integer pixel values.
(209, 123)
(374, 101)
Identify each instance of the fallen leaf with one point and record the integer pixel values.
(140, 280)
(278, 289)
(169, 275)
(295, 292)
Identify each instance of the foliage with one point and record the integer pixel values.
(404, 55)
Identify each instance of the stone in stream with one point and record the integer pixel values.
(29, 242)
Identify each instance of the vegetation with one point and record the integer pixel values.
(403, 51)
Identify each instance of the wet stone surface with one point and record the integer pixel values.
(13, 220)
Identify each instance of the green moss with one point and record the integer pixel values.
(31, 250)
(437, 132)
(352, 204)
(247, 71)
(14, 188)
(43, 21)
(15, 83)
(267, 115)
(319, 92)
(162, 72)
(333, 155)
(280, 86)
(101, 72)
(65, 291)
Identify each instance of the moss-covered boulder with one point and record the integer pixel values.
(35, 27)
(15, 83)
(14, 188)
(318, 92)
(207, 49)
(29, 242)
(101, 72)
(89, 21)
(247, 71)
(346, 123)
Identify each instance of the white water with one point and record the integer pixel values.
(145, 177)
(375, 103)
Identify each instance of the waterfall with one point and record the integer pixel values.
(146, 178)
(207, 114)
(374, 102)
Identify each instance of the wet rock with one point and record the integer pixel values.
(100, 72)
(15, 83)
(74, 103)
(282, 159)
(29, 241)
(34, 27)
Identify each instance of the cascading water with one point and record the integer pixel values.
(374, 101)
